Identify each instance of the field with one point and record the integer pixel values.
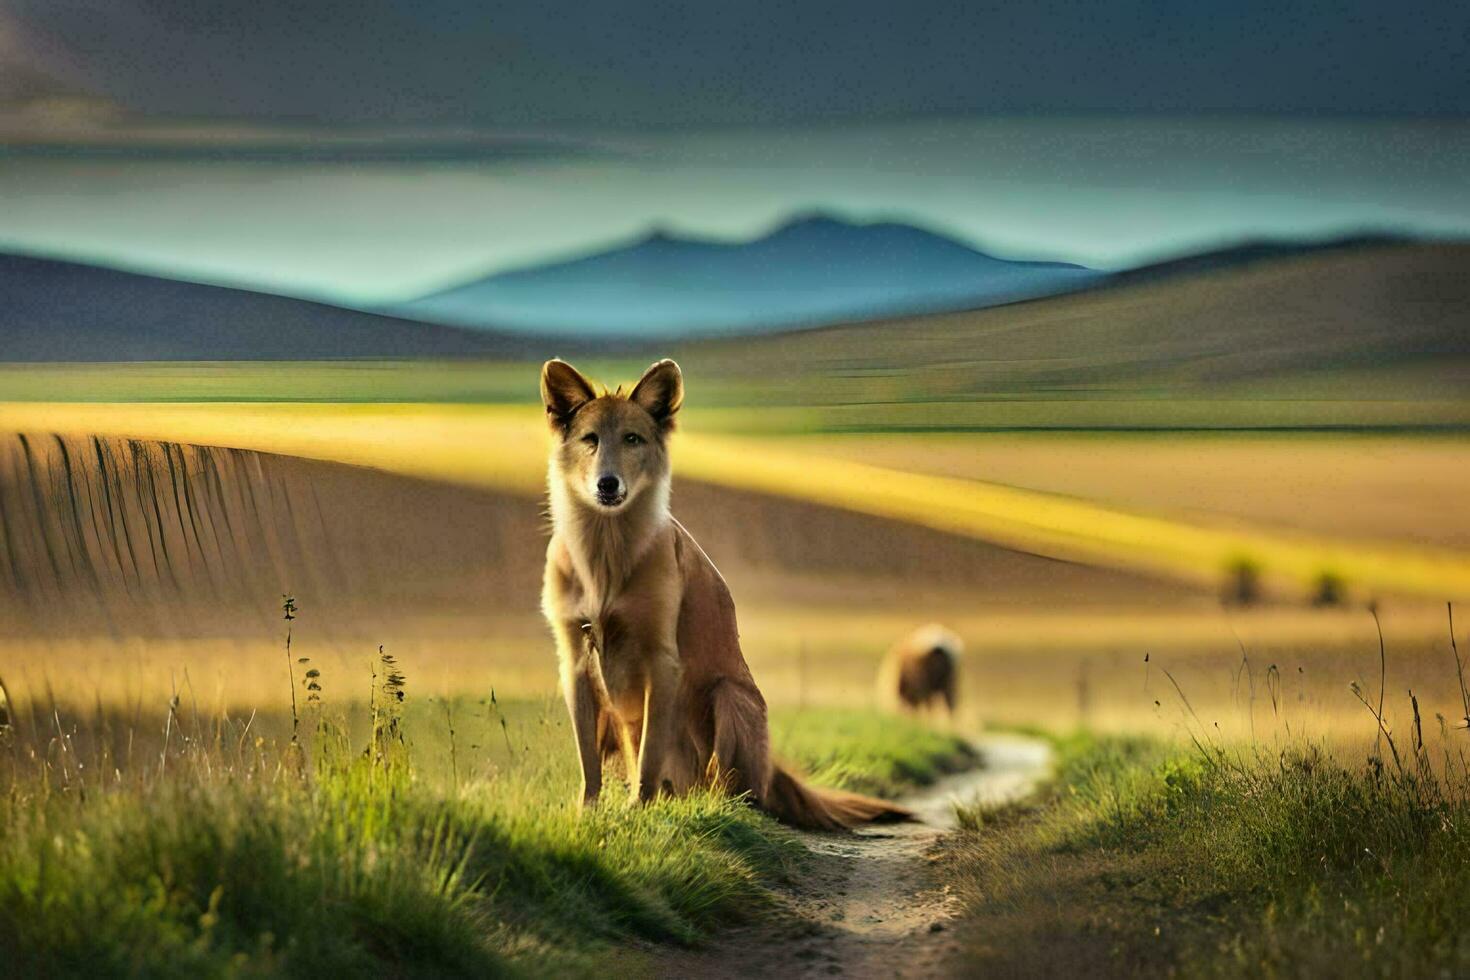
(1157, 520)
(1225, 587)
(1363, 486)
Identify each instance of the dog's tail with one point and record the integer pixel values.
(742, 764)
(793, 802)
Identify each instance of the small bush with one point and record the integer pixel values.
(1330, 590)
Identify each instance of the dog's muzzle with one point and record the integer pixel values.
(610, 491)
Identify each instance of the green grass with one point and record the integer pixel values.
(470, 380)
(1150, 859)
(867, 752)
(444, 844)
(792, 395)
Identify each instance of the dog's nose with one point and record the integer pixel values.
(608, 485)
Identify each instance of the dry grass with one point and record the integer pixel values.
(1027, 669)
(126, 561)
(1404, 488)
(1312, 338)
(448, 577)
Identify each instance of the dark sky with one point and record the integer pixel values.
(660, 62)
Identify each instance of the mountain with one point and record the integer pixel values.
(814, 270)
(64, 311)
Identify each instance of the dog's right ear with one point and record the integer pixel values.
(563, 391)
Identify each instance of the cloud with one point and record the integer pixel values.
(654, 63)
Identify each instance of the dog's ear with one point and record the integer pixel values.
(660, 392)
(563, 391)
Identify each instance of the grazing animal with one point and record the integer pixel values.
(650, 658)
(922, 669)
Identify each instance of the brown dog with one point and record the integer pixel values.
(651, 666)
(922, 669)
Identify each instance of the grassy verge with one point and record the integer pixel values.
(1149, 859)
(432, 838)
(867, 752)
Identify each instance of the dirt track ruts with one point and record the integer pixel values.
(868, 904)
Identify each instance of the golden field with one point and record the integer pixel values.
(502, 448)
(1062, 560)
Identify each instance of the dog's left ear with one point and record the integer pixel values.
(660, 392)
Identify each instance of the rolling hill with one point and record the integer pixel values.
(812, 270)
(64, 311)
(163, 538)
(1244, 314)
(1355, 313)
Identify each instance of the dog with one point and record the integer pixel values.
(922, 669)
(650, 659)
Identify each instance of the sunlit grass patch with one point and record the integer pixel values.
(1148, 858)
(1070, 527)
(502, 447)
(417, 837)
(356, 865)
(201, 877)
(886, 755)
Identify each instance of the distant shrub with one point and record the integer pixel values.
(1242, 583)
(1330, 590)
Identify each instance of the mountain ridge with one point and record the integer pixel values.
(54, 310)
(812, 269)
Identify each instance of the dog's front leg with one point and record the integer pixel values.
(580, 690)
(661, 717)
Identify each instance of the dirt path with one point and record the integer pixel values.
(868, 905)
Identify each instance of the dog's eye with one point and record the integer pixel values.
(590, 439)
(633, 439)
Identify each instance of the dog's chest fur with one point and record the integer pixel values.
(630, 598)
